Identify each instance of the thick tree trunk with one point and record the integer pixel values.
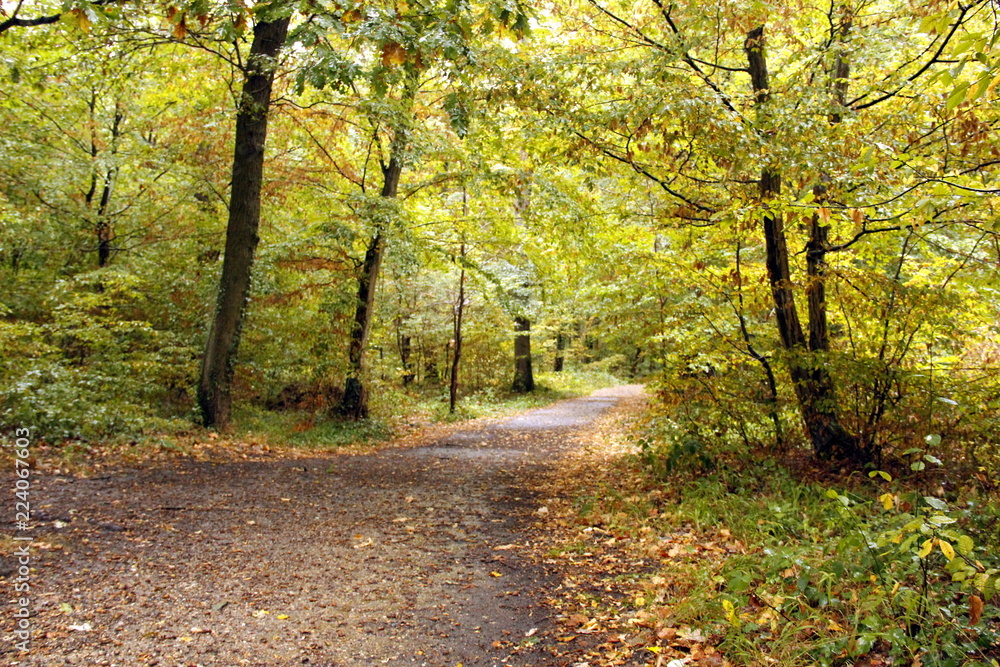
(218, 363)
(810, 378)
(524, 380)
(561, 340)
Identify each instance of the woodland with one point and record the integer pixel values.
(780, 216)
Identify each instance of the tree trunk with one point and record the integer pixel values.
(524, 380)
(810, 378)
(219, 361)
(560, 350)
(459, 310)
(102, 227)
(405, 344)
(105, 234)
(355, 402)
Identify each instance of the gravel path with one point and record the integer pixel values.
(405, 556)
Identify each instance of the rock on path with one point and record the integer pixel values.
(404, 556)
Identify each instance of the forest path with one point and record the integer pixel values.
(409, 555)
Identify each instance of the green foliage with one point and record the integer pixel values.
(829, 577)
(94, 370)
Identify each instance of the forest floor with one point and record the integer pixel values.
(438, 549)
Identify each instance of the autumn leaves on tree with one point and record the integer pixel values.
(784, 215)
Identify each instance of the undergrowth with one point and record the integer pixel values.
(794, 565)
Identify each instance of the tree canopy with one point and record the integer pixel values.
(782, 215)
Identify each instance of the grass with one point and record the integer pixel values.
(306, 430)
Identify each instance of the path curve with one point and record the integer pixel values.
(403, 556)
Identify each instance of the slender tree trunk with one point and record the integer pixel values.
(560, 352)
(636, 360)
(459, 310)
(404, 343)
(816, 248)
(810, 378)
(355, 402)
(219, 361)
(772, 385)
(102, 226)
(105, 233)
(524, 380)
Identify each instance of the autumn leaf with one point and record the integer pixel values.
(180, 28)
(975, 609)
(393, 54)
(926, 548)
(82, 20)
(730, 610)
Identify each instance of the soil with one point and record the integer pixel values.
(415, 554)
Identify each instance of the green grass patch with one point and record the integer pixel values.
(307, 430)
(498, 402)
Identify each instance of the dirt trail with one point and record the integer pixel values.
(404, 556)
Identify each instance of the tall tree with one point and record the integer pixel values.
(218, 362)
(354, 403)
(810, 377)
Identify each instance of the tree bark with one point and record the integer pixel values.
(354, 405)
(219, 361)
(404, 342)
(810, 377)
(459, 311)
(560, 360)
(102, 227)
(524, 380)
